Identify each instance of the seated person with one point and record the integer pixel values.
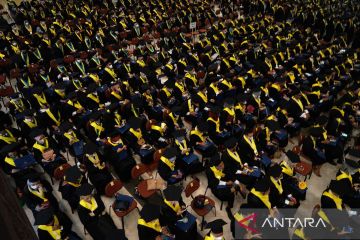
(216, 230)
(168, 167)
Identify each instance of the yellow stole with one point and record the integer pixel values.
(41, 99)
(19, 105)
(190, 106)
(202, 96)
(90, 206)
(49, 113)
(182, 145)
(96, 161)
(136, 133)
(252, 144)
(158, 128)
(76, 104)
(72, 137)
(217, 123)
(230, 111)
(98, 128)
(55, 234)
(39, 194)
(170, 164)
(180, 87)
(262, 197)
(40, 147)
(176, 208)
(298, 101)
(217, 173)
(344, 175)
(10, 161)
(337, 200)
(199, 134)
(286, 169)
(93, 97)
(111, 72)
(215, 88)
(173, 118)
(115, 94)
(278, 184)
(10, 139)
(155, 224)
(235, 156)
(61, 93)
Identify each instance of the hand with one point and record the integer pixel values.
(229, 183)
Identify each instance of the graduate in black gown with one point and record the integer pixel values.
(54, 225)
(216, 230)
(168, 167)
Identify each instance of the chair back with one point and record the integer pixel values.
(192, 187)
(113, 187)
(60, 171)
(138, 170)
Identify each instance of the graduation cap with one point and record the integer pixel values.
(293, 157)
(170, 152)
(28, 112)
(230, 143)
(215, 109)
(216, 226)
(85, 189)
(202, 126)
(273, 125)
(180, 134)
(90, 148)
(322, 120)
(339, 187)
(65, 126)
(72, 95)
(60, 85)
(230, 101)
(135, 122)
(9, 148)
(275, 171)
(172, 193)
(36, 132)
(44, 216)
(215, 160)
(92, 88)
(150, 212)
(176, 110)
(37, 90)
(316, 131)
(73, 175)
(95, 115)
(262, 185)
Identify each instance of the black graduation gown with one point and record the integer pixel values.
(68, 192)
(65, 223)
(247, 154)
(146, 233)
(221, 192)
(309, 150)
(98, 177)
(166, 173)
(91, 223)
(32, 200)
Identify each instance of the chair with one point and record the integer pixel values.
(209, 203)
(113, 187)
(14, 73)
(138, 170)
(69, 59)
(142, 187)
(122, 214)
(60, 171)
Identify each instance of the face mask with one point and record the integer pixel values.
(41, 141)
(34, 186)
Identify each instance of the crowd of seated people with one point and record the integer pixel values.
(104, 82)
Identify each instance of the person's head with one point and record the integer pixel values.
(34, 183)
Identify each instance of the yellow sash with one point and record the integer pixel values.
(41, 99)
(298, 101)
(252, 144)
(90, 206)
(180, 87)
(211, 237)
(40, 147)
(199, 134)
(300, 233)
(98, 128)
(10, 161)
(166, 91)
(176, 208)
(55, 234)
(61, 93)
(202, 96)
(182, 145)
(286, 169)
(39, 194)
(137, 134)
(96, 161)
(72, 137)
(93, 97)
(19, 105)
(111, 72)
(278, 184)
(158, 128)
(190, 106)
(155, 224)
(235, 156)
(173, 118)
(115, 94)
(337, 200)
(217, 173)
(215, 88)
(49, 113)
(10, 139)
(341, 111)
(344, 175)
(262, 197)
(170, 164)
(230, 111)
(217, 123)
(77, 105)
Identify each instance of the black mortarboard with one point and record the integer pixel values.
(135, 122)
(44, 216)
(272, 125)
(275, 171)
(92, 88)
(37, 90)
(216, 226)
(293, 157)
(170, 152)
(73, 175)
(72, 95)
(85, 189)
(36, 132)
(150, 212)
(65, 126)
(90, 148)
(60, 85)
(202, 126)
(28, 112)
(230, 101)
(215, 109)
(215, 160)
(262, 185)
(230, 143)
(172, 193)
(181, 133)
(316, 131)
(322, 120)
(338, 187)
(95, 115)
(9, 148)
(176, 110)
